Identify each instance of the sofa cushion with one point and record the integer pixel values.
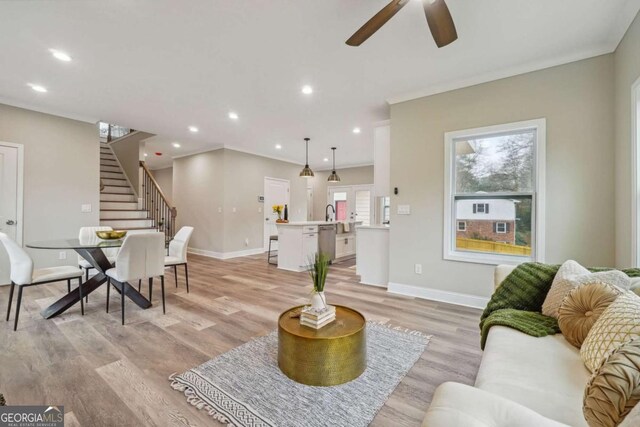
(582, 307)
(544, 374)
(571, 275)
(618, 325)
(614, 390)
(459, 405)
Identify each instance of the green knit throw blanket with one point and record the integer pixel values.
(517, 303)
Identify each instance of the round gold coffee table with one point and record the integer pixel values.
(332, 355)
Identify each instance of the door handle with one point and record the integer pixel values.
(11, 222)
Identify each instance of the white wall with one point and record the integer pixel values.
(577, 101)
(61, 172)
(627, 71)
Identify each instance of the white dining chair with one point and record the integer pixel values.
(178, 253)
(88, 234)
(141, 256)
(23, 274)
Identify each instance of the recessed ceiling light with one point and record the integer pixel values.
(278, 147)
(145, 154)
(37, 88)
(175, 144)
(193, 129)
(233, 116)
(307, 90)
(356, 130)
(325, 160)
(58, 54)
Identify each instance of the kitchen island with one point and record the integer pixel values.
(299, 241)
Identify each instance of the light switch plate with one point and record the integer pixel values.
(404, 209)
(85, 208)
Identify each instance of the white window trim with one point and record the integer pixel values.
(505, 227)
(635, 186)
(538, 244)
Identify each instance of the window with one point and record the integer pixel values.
(481, 208)
(494, 185)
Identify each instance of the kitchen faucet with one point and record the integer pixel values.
(326, 211)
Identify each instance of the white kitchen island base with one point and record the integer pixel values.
(372, 255)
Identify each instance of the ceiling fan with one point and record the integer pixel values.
(439, 20)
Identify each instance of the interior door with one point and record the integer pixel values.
(276, 192)
(8, 203)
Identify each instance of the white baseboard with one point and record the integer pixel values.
(377, 285)
(438, 295)
(226, 255)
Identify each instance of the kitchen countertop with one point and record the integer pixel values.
(303, 223)
(373, 227)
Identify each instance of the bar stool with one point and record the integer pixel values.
(273, 238)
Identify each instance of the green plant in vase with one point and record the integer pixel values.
(318, 269)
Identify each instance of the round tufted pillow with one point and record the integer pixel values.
(582, 307)
(614, 389)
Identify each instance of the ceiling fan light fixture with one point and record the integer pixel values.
(334, 176)
(306, 171)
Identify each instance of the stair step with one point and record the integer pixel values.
(112, 175)
(125, 223)
(117, 190)
(137, 228)
(117, 197)
(110, 168)
(112, 214)
(115, 182)
(121, 206)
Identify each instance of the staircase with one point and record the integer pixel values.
(118, 202)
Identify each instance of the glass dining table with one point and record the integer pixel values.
(91, 249)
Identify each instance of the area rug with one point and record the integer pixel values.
(245, 388)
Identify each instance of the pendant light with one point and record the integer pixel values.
(307, 172)
(334, 176)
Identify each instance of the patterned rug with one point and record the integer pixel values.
(245, 388)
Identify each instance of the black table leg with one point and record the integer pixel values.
(100, 262)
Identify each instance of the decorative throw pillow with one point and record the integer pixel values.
(619, 324)
(614, 389)
(571, 275)
(582, 307)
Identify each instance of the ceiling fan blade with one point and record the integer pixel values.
(374, 24)
(440, 22)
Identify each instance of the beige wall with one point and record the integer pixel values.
(577, 101)
(243, 183)
(198, 185)
(130, 150)
(627, 71)
(61, 172)
(164, 178)
(348, 176)
(226, 179)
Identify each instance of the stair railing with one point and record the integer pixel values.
(158, 208)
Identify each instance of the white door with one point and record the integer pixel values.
(9, 203)
(351, 203)
(276, 192)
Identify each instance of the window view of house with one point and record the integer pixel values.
(494, 187)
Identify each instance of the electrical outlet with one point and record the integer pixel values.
(233, 210)
(246, 241)
(418, 268)
(85, 208)
(260, 210)
(219, 210)
(62, 255)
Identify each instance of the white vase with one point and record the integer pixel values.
(318, 302)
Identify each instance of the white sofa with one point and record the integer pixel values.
(523, 381)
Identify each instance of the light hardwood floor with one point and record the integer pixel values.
(106, 374)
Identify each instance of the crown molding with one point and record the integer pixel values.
(503, 74)
(50, 111)
(347, 166)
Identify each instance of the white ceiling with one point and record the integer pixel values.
(161, 66)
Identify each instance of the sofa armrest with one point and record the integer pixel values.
(459, 405)
(500, 273)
